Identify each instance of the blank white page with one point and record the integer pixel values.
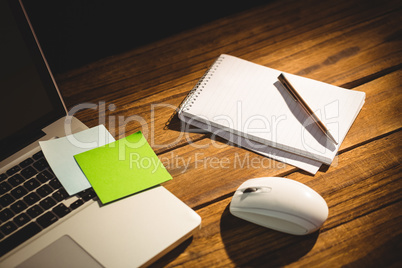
(247, 99)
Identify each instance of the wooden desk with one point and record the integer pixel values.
(352, 44)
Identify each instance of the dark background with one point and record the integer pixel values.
(76, 32)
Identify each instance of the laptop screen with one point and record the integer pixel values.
(29, 100)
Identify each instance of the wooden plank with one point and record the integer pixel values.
(362, 192)
(381, 112)
(277, 26)
(143, 109)
(205, 170)
(352, 244)
(355, 44)
(322, 38)
(132, 85)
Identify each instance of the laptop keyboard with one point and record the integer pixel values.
(32, 199)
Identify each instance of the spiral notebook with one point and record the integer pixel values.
(245, 103)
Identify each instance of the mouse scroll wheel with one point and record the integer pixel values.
(250, 190)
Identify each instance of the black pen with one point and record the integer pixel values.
(292, 91)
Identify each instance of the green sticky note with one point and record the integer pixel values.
(122, 168)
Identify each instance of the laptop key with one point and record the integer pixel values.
(60, 194)
(18, 206)
(46, 219)
(6, 200)
(31, 198)
(6, 214)
(19, 192)
(61, 210)
(32, 184)
(47, 203)
(19, 237)
(55, 184)
(35, 211)
(13, 170)
(28, 172)
(8, 228)
(44, 176)
(88, 194)
(44, 190)
(21, 219)
(16, 180)
(38, 155)
(3, 176)
(76, 204)
(41, 164)
(4, 187)
(26, 162)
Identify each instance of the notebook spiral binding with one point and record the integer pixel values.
(198, 88)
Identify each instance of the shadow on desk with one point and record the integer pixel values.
(248, 244)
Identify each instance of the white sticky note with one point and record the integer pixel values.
(60, 152)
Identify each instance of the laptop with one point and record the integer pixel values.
(40, 225)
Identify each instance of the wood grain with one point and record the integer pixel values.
(165, 73)
(362, 193)
(352, 44)
(204, 160)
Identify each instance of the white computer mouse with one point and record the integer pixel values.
(281, 204)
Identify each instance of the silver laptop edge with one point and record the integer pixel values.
(135, 231)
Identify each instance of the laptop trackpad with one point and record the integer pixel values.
(64, 252)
